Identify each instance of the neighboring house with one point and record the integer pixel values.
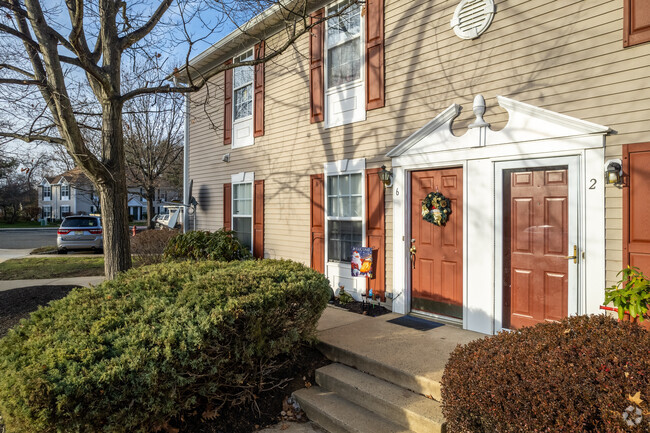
(534, 232)
(69, 193)
(72, 193)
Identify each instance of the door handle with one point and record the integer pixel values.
(574, 256)
(413, 250)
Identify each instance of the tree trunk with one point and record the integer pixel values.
(113, 193)
(151, 196)
(115, 221)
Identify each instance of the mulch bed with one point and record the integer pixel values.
(373, 310)
(268, 409)
(16, 304)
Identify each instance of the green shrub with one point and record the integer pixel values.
(576, 375)
(149, 245)
(221, 245)
(156, 343)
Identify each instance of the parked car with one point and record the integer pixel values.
(80, 233)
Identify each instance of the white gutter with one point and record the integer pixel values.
(186, 164)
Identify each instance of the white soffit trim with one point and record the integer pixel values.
(243, 177)
(581, 127)
(345, 166)
(526, 123)
(444, 118)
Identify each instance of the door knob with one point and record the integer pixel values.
(412, 250)
(574, 256)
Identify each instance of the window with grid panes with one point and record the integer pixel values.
(65, 192)
(242, 213)
(47, 192)
(242, 83)
(344, 215)
(343, 44)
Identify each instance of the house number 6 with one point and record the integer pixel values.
(396, 191)
(593, 184)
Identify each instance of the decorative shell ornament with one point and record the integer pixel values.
(436, 208)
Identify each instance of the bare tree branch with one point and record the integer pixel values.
(137, 35)
(17, 69)
(33, 138)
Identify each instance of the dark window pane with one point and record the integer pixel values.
(342, 236)
(243, 230)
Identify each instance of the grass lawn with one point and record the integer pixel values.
(26, 225)
(51, 267)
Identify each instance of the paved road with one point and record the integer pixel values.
(27, 238)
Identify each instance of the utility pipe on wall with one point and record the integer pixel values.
(186, 166)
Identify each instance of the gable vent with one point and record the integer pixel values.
(472, 18)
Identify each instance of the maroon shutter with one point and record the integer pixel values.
(317, 69)
(227, 106)
(258, 220)
(376, 231)
(227, 206)
(317, 218)
(636, 22)
(258, 115)
(374, 54)
(636, 207)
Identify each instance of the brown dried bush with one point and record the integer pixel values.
(578, 375)
(148, 246)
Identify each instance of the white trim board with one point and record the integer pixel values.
(532, 136)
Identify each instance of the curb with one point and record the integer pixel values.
(23, 229)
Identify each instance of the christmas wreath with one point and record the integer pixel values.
(436, 208)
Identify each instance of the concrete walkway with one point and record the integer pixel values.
(6, 254)
(77, 281)
(396, 351)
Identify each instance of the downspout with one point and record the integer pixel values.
(186, 164)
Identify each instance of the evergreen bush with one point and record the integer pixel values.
(221, 245)
(583, 374)
(156, 343)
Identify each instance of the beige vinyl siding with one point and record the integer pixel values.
(564, 56)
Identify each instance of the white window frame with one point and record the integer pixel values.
(65, 197)
(49, 213)
(245, 123)
(349, 93)
(339, 273)
(62, 211)
(47, 188)
(243, 178)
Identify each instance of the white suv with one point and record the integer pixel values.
(80, 233)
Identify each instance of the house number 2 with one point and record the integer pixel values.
(593, 184)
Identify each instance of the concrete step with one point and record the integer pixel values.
(337, 415)
(411, 410)
(410, 380)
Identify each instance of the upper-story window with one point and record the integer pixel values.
(344, 44)
(344, 83)
(242, 91)
(65, 192)
(47, 192)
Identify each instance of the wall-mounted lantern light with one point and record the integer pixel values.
(614, 172)
(386, 177)
(226, 158)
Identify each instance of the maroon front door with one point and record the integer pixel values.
(536, 215)
(437, 265)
